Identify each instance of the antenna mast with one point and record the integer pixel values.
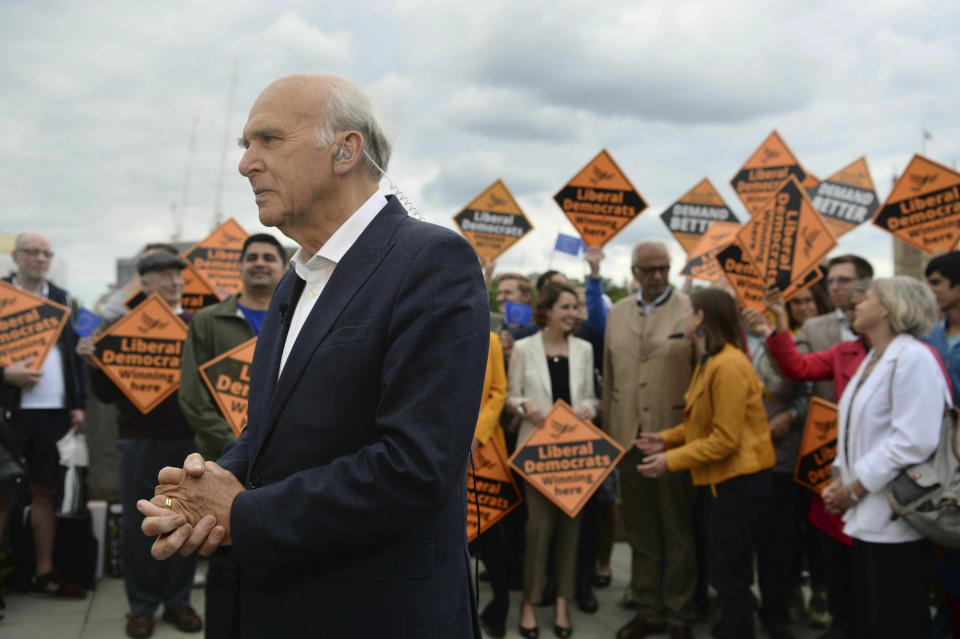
(217, 209)
(178, 212)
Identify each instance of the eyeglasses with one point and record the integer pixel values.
(650, 270)
(34, 252)
(841, 280)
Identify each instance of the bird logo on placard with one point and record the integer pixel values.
(148, 324)
(485, 463)
(7, 301)
(560, 429)
(769, 154)
(920, 181)
(600, 175)
(493, 201)
(809, 237)
(229, 238)
(822, 427)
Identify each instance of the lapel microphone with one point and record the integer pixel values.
(282, 307)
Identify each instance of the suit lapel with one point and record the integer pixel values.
(540, 362)
(359, 262)
(266, 356)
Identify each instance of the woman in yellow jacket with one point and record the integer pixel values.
(724, 441)
(492, 544)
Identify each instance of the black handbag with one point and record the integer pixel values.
(13, 465)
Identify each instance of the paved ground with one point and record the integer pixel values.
(101, 614)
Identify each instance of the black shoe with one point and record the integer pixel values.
(562, 631)
(493, 619)
(586, 601)
(529, 633)
(602, 581)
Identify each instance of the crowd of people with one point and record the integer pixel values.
(710, 401)
(342, 504)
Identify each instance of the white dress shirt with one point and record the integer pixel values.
(317, 270)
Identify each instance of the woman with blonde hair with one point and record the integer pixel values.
(888, 419)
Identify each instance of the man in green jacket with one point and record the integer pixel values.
(215, 330)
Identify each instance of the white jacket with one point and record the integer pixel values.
(887, 434)
(529, 377)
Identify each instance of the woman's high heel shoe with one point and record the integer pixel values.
(529, 633)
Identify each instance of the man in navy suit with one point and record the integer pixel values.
(345, 497)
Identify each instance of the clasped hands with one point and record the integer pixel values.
(655, 463)
(190, 509)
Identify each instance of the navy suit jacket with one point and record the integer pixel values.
(353, 524)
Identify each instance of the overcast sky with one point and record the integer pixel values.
(97, 102)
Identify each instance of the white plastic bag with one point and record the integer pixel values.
(74, 460)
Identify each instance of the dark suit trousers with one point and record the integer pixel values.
(220, 621)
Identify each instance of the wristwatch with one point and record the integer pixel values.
(853, 493)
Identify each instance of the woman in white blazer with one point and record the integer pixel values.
(544, 367)
(889, 418)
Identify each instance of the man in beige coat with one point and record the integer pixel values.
(647, 365)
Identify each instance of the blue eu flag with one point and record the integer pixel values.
(86, 323)
(568, 244)
(518, 313)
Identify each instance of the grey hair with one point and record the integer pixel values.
(348, 109)
(911, 305)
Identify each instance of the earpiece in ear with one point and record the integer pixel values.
(342, 154)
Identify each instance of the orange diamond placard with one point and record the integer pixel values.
(689, 217)
(227, 376)
(493, 221)
(141, 352)
(786, 238)
(217, 258)
(742, 275)
(923, 209)
(599, 201)
(702, 264)
(847, 198)
(196, 292)
(771, 164)
(490, 488)
(818, 446)
(566, 459)
(30, 325)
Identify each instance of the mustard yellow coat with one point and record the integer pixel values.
(724, 432)
(494, 395)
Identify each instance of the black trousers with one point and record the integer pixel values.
(891, 590)
(221, 596)
(733, 522)
(776, 548)
(838, 573)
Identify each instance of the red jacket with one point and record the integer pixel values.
(839, 362)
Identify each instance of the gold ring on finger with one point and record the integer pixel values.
(168, 502)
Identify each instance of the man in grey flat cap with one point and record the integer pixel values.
(147, 443)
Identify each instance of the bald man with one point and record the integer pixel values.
(647, 365)
(345, 497)
(43, 405)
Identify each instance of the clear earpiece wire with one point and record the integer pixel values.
(407, 202)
